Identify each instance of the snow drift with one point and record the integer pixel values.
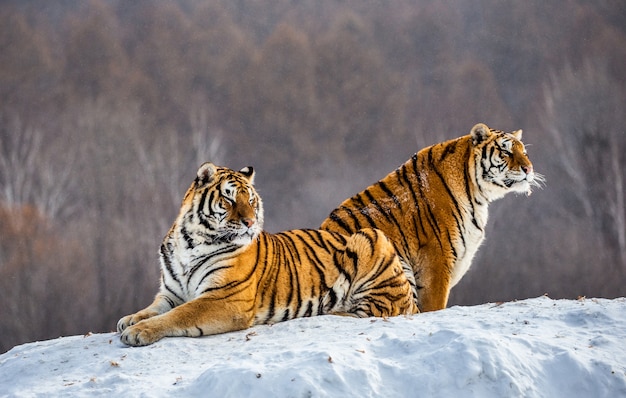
(533, 348)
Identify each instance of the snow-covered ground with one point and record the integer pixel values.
(537, 347)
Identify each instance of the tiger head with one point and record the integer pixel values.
(501, 162)
(225, 205)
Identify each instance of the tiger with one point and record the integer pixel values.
(433, 208)
(221, 272)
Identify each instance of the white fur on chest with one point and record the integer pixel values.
(192, 269)
(185, 262)
(467, 248)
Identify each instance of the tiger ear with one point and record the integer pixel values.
(205, 173)
(517, 134)
(480, 133)
(248, 172)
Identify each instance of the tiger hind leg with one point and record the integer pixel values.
(373, 280)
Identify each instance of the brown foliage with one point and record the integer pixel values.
(44, 283)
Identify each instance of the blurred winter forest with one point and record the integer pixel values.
(107, 108)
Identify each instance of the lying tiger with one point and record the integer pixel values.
(220, 272)
(433, 208)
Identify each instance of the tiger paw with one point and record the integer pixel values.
(124, 322)
(132, 319)
(141, 334)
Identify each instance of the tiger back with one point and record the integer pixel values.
(433, 208)
(221, 272)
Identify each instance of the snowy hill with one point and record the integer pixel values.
(537, 347)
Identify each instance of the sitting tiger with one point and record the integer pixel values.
(434, 207)
(220, 272)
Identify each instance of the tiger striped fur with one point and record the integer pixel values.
(220, 272)
(434, 207)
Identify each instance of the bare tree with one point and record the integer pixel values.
(168, 164)
(206, 140)
(32, 170)
(19, 150)
(586, 121)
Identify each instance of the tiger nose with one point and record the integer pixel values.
(248, 222)
(527, 168)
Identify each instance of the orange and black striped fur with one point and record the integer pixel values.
(434, 207)
(220, 272)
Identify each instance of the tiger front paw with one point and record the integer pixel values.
(132, 319)
(141, 334)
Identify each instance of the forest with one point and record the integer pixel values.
(107, 108)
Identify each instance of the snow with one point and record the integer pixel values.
(532, 348)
